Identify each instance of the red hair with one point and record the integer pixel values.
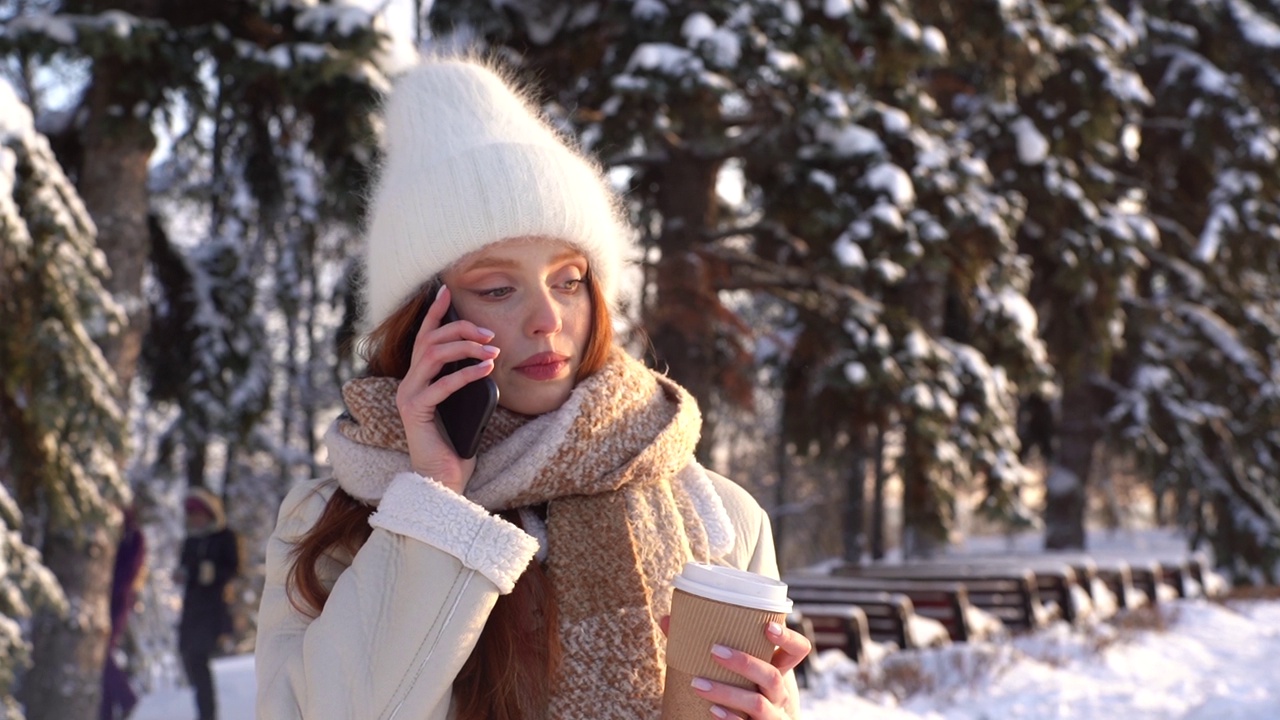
(508, 675)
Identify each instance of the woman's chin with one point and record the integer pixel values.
(535, 398)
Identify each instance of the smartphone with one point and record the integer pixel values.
(463, 415)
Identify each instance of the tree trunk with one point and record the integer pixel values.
(196, 453)
(924, 530)
(65, 681)
(877, 499)
(854, 526)
(1070, 467)
(315, 357)
(779, 514)
(113, 185)
(682, 318)
(924, 526)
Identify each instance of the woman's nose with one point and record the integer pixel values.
(543, 315)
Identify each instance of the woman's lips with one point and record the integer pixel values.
(544, 366)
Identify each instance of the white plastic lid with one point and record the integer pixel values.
(733, 586)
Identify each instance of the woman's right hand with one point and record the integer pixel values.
(420, 394)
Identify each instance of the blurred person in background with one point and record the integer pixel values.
(118, 697)
(210, 560)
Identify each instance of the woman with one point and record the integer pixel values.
(534, 579)
(210, 560)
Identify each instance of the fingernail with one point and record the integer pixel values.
(701, 684)
(485, 363)
(441, 290)
(721, 651)
(774, 628)
(486, 331)
(491, 349)
(719, 711)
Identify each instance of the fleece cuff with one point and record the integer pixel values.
(427, 511)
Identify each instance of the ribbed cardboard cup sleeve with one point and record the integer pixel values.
(697, 623)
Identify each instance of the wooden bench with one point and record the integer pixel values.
(1057, 584)
(1117, 576)
(1212, 584)
(1057, 580)
(1107, 582)
(797, 621)
(1011, 594)
(1096, 575)
(945, 602)
(887, 615)
(1181, 576)
(837, 627)
(1149, 579)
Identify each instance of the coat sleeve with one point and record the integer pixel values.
(403, 614)
(753, 533)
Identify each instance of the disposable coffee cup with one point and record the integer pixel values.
(713, 605)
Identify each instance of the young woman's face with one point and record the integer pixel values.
(532, 294)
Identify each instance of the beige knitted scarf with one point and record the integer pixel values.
(618, 527)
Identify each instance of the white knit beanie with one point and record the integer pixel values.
(469, 162)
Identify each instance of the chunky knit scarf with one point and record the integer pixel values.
(621, 520)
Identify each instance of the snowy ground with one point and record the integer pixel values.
(1200, 660)
(1210, 661)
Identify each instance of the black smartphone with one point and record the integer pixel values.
(464, 414)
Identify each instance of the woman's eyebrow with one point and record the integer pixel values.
(487, 263)
(500, 263)
(568, 254)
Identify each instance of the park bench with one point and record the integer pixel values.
(1113, 575)
(946, 602)
(1153, 580)
(1149, 578)
(887, 615)
(1188, 576)
(1117, 577)
(1009, 593)
(1212, 584)
(1176, 573)
(1056, 583)
(797, 621)
(1193, 576)
(1169, 575)
(1065, 584)
(1108, 582)
(836, 627)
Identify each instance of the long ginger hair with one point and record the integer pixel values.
(508, 675)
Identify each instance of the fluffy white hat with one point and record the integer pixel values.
(470, 162)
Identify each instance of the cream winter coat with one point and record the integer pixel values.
(405, 612)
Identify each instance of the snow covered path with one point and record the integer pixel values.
(1209, 662)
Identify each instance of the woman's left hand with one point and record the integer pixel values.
(775, 695)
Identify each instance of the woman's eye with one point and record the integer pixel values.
(496, 292)
(572, 284)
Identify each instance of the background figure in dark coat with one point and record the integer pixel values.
(118, 698)
(210, 559)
